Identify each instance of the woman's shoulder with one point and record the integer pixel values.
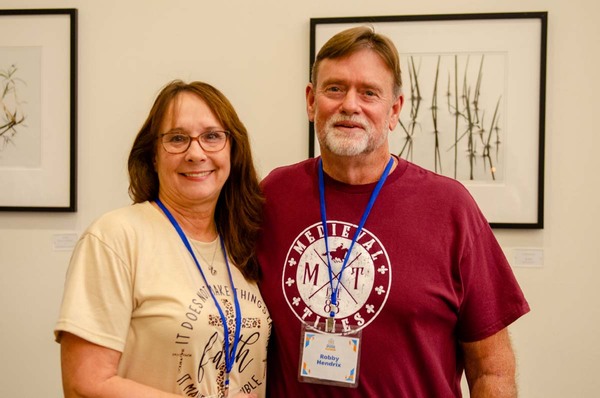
(124, 220)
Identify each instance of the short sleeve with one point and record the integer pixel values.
(97, 300)
(492, 297)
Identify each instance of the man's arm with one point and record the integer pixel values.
(490, 367)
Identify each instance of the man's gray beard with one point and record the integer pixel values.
(344, 145)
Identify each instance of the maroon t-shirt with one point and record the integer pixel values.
(425, 273)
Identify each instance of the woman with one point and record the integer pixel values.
(153, 288)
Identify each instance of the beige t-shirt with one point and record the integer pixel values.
(132, 286)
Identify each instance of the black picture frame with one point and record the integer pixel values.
(38, 137)
(518, 42)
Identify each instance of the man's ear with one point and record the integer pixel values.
(395, 111)
(310, 102)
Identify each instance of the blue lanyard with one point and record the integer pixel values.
(334, 291)
(229, 355)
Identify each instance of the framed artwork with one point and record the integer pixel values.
(474, 103)
(38, 110)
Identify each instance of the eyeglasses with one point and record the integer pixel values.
(210, 141)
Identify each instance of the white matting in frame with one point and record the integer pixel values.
(38, 119)
(489, 67)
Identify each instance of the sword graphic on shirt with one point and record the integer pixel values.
(363, 286)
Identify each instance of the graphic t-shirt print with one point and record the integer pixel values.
(363, 286)
(211, 356)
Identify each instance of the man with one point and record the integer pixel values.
(375, 253)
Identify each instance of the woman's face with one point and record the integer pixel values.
(195, 177)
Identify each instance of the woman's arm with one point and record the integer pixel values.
(90, 370)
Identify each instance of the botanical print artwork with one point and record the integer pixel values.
(38, 110)
(474, 103)
(452, 121)
(12, 115)
(20, 107)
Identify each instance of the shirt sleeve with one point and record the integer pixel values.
(492, 297)
(97, 300)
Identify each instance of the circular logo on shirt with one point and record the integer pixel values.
(362, 285)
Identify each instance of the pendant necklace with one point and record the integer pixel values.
(212, 269)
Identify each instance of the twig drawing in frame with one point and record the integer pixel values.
(11, 113)
(415, 104)
(462, 141)
(434, 117)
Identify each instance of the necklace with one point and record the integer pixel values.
(212, 269)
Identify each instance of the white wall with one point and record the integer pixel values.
(256, 52)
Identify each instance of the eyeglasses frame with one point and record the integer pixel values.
(227, 135)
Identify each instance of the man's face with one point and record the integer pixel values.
(352, 104)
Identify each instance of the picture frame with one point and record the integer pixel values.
(485, 77)
(38, 113)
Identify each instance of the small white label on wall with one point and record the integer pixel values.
(64, 241)
(528, 257)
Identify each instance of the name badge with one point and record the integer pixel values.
(331, 359)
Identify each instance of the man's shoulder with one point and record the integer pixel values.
(289, 174)
(430, 180)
